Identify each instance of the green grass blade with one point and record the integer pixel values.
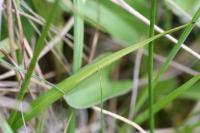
(169, 98)
(78, 38)
(101, 93)
(38, 48)
(78, 53)
(46, 99)
(150, 65)
(170, 57)
(5, 128)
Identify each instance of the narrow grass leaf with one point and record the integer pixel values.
(39, 46)
(78, 53)
(169, 59)
(47, 98)
(5, 127)
(91, 87)
(168, 99)
(78, 38)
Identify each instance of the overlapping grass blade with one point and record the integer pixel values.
(46, 99)
(5, 127)
(169, 98)
(78, 39)
(78, 53)
(39, 46)
(170, 57)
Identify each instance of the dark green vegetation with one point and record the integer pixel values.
(60, 58)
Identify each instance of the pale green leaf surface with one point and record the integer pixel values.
(120, 28)
(5, 128)
(88, 92)
(113, 19)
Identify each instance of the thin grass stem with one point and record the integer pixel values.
(170, 57)
(150, 64)
(78, 53)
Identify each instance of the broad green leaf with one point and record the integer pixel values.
(118, 23)
(113, 19)
(88, 92)
(91, 87)
(67, 85)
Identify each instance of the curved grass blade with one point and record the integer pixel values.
(77, 55)
(5, 128)
(38, 48)
(169, 98)
(170, 57)
(46, 99)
